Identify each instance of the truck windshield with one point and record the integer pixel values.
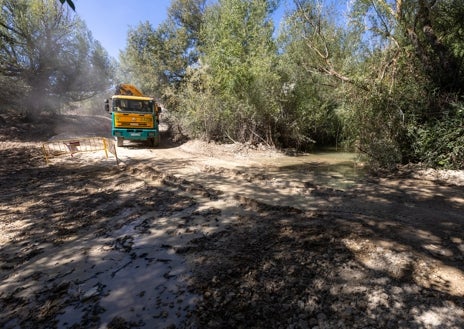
(131, 105)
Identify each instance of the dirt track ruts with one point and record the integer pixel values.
(208, 236)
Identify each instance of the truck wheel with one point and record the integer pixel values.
(156, 140)
(120, 141)
(153, 141)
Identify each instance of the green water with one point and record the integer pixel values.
(338, 170)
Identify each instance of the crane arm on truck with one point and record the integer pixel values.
(128, 89)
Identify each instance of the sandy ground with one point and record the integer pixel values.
(201, 235)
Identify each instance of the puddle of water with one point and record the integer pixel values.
(334, 169)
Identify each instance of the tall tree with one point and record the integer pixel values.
(428, 31)
(421, 74)
(316, 71)
(239, 53)
(156, 59)
(49, 51)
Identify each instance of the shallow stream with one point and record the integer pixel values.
(338, 170)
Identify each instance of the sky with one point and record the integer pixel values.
(110, 20)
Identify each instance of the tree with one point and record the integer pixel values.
(157, 59)
(429, 30)
(239, 54)
(50, 54)
(316, 71)
(420, 74)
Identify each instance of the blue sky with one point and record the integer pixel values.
(109, 20)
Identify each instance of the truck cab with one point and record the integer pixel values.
(134, 118)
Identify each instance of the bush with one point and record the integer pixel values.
(440, 143)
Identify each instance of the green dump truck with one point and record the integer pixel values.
(134, 115)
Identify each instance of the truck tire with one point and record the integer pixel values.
(120, 141)
(156, 141)
(153, 141)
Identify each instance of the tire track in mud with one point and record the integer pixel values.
(72, 278)
(246, 262)
(78, 290)
(348, 240)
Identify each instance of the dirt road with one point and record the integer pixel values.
(205, 236)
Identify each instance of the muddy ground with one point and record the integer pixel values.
(199, 235)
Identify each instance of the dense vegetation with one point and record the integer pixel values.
(385, 77)
(48, 57)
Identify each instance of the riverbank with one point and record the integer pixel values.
(205, 236)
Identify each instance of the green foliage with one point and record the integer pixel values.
(48, 54)
(385, 83)
(156, 60)
(414, 67)
(436, 35)
(239, 55)
(440, 143)
(378, 128)
(200, 109)
(312, 67)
